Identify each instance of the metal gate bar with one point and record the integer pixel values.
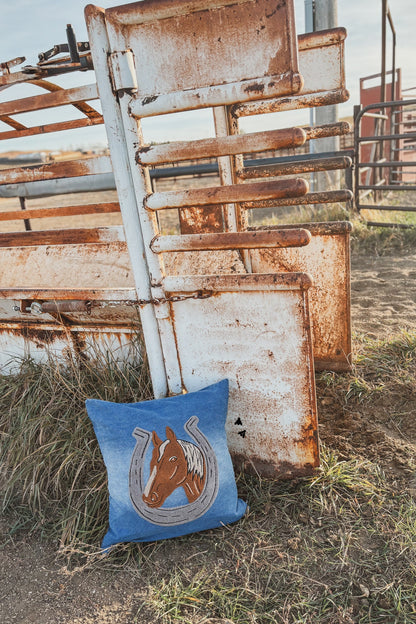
(389, 169)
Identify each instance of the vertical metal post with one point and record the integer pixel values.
(72, 44)
(326, 16)
(357, 152)
(393, 127)
(22, 201)
(128, 200)
(310, 27)
(383, 50)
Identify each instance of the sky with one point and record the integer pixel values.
(30, 27)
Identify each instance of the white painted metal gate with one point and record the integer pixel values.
(153, 58)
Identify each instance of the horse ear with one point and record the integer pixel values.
(170, 434)
(155, 439)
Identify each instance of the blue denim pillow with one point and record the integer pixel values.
(168, 465)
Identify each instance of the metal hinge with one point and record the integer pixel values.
(123, 72)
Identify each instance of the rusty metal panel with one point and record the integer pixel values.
(254, 330)
(327, 259)
(82, 267)
(206, 70)
(39, 342)
(321, 60)
(321, 64)
(207, 49)
(66, 291)
(197, 220)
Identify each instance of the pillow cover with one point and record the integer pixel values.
(168, 465)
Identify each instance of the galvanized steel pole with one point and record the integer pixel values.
(310, 27)
(326, 16)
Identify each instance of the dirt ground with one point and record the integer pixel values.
(34, 587)
(383, 294)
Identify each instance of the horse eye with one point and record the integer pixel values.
(173, 458)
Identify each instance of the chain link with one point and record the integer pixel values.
(200, 294)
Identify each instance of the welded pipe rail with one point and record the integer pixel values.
(362, 189)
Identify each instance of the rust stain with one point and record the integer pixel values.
(255, 87)
(206, 220)
(39, 336)
(62, 211)
(321, 38)
(278, 470)
(51, 237)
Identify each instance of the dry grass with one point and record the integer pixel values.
(52, 470)
(335, 548)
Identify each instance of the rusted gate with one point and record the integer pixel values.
(206, 317)
(61, 287)
(217, 296)
(321, 63)
(389, 167)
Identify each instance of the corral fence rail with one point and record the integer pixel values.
(385, 161)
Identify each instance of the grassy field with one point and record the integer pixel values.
(335, 548)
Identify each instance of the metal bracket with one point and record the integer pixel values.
(123, 72)
(6, 66)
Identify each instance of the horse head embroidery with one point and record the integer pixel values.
(174, 463)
